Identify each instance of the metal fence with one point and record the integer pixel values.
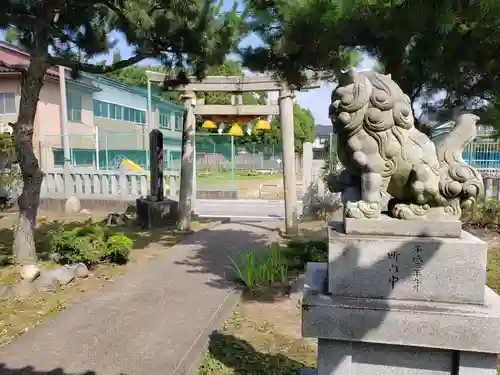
(218, 156)
(481, 154)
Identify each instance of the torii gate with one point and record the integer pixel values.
(235, 85)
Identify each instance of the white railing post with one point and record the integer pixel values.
(123, 184)
(173, 187)
(68, 181)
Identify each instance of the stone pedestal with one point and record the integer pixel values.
(156, 214)
(402, 305)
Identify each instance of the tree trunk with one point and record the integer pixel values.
(31, 85)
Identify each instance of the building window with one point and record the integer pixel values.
(115, 111)
(74, 105)
(101, 109)
(178, 122)
(164, 120)
(118, 112)
(7, 103)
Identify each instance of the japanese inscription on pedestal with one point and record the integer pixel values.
(394, 268)
(417, 262)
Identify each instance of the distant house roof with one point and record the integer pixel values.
(11, 69)
(323, 130)
(85, 80)
(132, 89)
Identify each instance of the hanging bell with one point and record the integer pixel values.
(235, 131)
(262, 126)
(208, 124)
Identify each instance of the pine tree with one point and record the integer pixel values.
(427, 46)
(182, 34)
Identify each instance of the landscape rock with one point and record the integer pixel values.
(30, 272)
(80, 270)
(55, 257)
(5, 290)
(64, 275)
(72, 206)
(47, 282)
(24, 288)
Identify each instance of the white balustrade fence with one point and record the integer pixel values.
(89, 183)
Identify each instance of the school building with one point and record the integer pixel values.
(107, 120)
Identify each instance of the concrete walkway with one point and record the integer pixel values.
(152, 321)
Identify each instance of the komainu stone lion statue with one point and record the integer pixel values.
(383, 153)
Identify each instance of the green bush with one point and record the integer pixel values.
(117, 249)
(300, 251)
(256, 270)
(486, 215)
(90, 243)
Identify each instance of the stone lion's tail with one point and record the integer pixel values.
(458, 179)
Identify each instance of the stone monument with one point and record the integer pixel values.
(404, 290)
(154, 210)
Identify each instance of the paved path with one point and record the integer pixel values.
(152, 321)
(241, 208)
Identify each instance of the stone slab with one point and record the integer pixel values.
(469, 328)
(387, 226)
(407, 268)
(156, 214)
(337, 357)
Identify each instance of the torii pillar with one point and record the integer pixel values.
(288, 150)
(188, 161)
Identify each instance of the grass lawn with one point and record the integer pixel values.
(18, 315)
(250, 344)
(227, 177)
(263, 337)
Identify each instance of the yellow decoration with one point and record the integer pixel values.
(235, 131)
(263, 126)
(209, 125)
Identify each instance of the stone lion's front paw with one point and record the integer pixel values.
(409, 211)
(363, 210)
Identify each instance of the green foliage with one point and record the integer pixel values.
(90, 243)
(10, 176)
(486, 215)
(230, 68)
(181, 35)
(301, 251)
(490, 114)
(332, 163)
(117, 249)
(303, 125)
(256, 270)
(426, 46)
(136, 76)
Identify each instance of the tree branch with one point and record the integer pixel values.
(96, 69)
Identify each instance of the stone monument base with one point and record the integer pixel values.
(387, 226)
(156, 214)
(360, 336)
(407, 268)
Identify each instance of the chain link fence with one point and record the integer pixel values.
(220, 158)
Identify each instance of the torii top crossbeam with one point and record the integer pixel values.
(235, 83)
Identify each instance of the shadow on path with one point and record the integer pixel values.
(169, 300)
(240, 356)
